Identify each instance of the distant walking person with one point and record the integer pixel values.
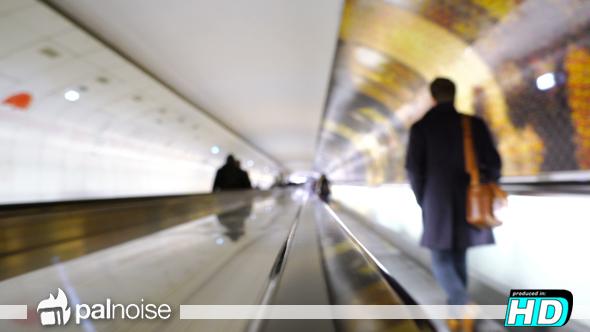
(324, 188)
(231, 177)
(436, 169)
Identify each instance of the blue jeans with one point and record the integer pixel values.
(450, 269)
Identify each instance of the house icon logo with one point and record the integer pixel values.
(53, 310)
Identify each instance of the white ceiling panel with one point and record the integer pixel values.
(95, 121)
(60, 78)
(10, 6)
(105, 59)
(6, 85)
(99, 94)
(42, 21)
(128, 107)
(78, 42)
(261, 67)
(97, 84)
(128, 72)
(33, 60)
(13, 37)
(75, 117)
(49, 108)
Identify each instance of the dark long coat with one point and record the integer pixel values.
(231, 177)
(436, 168)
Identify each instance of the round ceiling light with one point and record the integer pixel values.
(72, 95)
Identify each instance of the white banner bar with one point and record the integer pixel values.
(580, 312)
(354, 312)
(340, 311)
(13, 312)
(329, 312)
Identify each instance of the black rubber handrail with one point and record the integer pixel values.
(399, 290)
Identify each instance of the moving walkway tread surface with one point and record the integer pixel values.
(222, 258)
(302, 279)
(36, 235)
(325, 266)
(416, 278)
(202, 261)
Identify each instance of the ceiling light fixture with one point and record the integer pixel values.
(368, 57)
(546, 81)
(72, 95)
(298, 179)
(215, 150)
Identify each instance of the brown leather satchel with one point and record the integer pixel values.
(480, 196)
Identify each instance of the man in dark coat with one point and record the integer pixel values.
(231, 177)
(324, 187)
(436, 169)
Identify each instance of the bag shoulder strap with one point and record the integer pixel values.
(469, 150)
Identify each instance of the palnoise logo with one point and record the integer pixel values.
(53, 310)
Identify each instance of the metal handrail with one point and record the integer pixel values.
(371, 275)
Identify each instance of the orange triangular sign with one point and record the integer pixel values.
(19, 101)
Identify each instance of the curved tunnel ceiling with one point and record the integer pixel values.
(521, 65)
(260, 67)
(495, 51)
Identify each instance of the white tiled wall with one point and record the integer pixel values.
(127, 135)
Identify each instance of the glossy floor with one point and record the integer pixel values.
(193, 263)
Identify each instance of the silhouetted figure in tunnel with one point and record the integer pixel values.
(435, 164)
(245, 179)
(234, 221)
(231, 177)
(324, 189)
